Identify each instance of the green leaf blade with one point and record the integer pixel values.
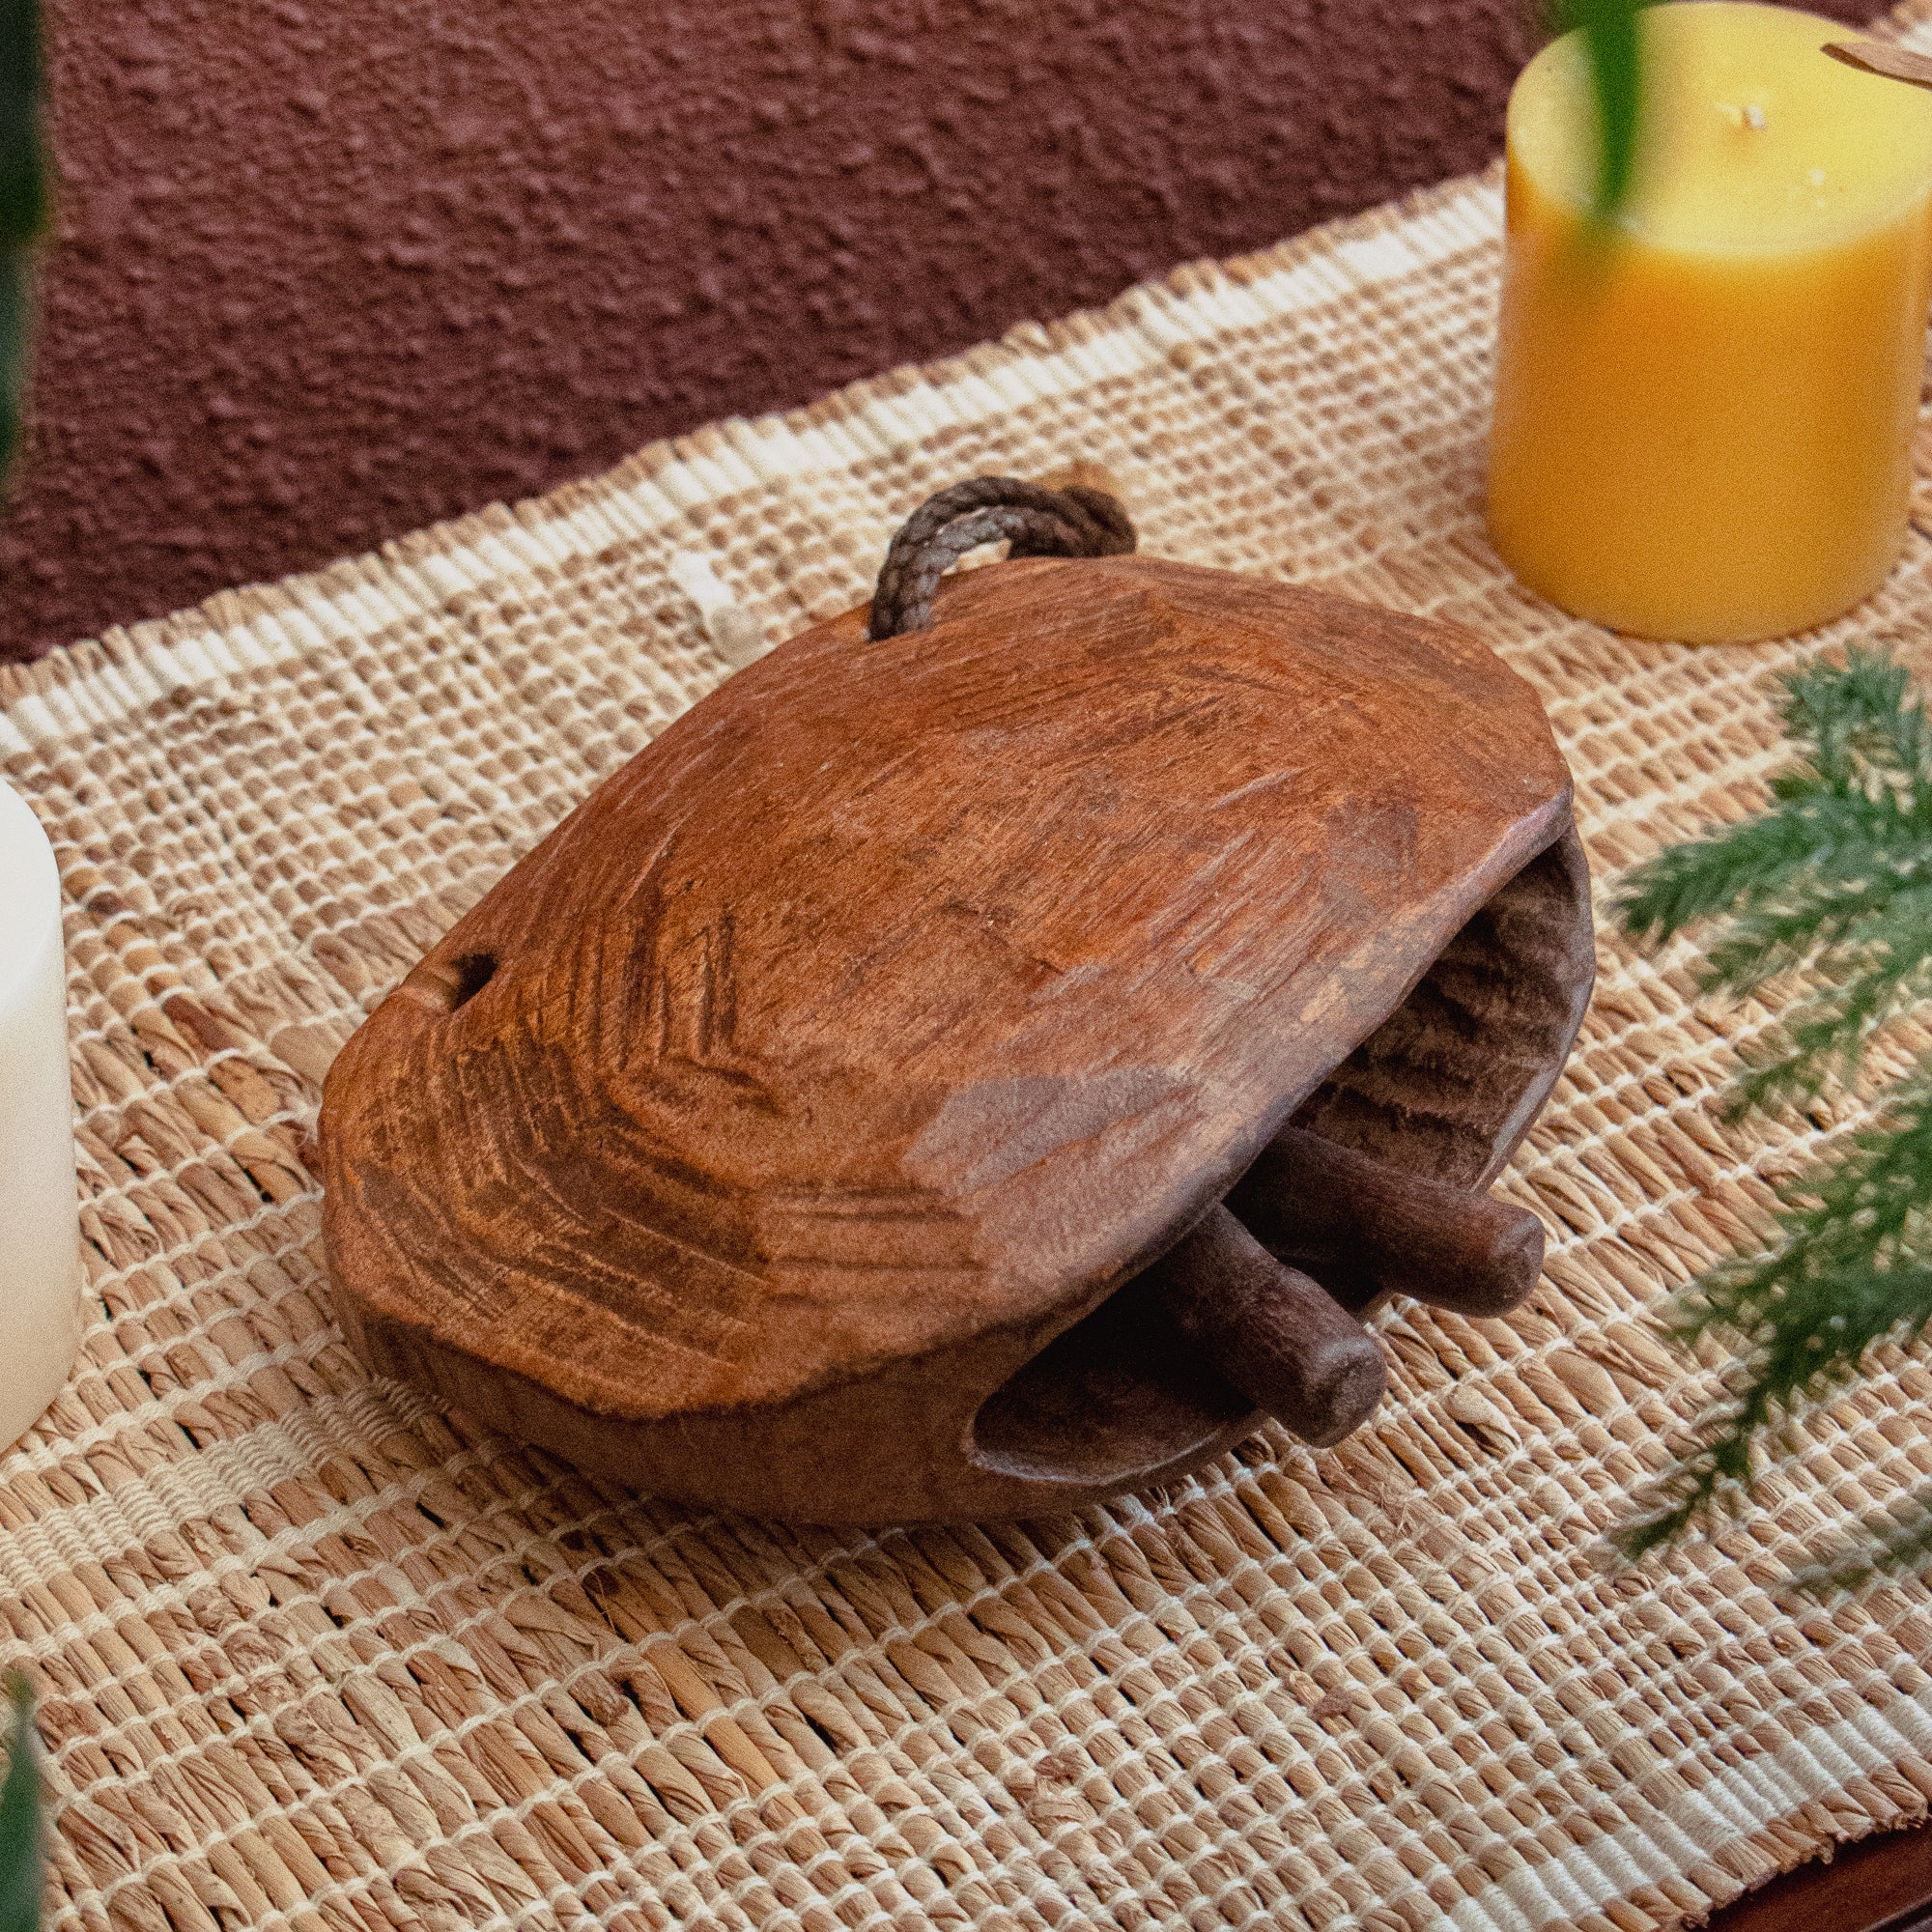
(1612, 48)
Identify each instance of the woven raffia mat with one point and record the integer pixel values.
(315, 1654)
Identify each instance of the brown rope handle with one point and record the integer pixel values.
(1038, 522)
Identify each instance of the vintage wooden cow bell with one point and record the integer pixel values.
(932, 1080)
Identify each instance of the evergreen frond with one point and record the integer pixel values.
(22, 1832)
(1851, 1269)
(1859, 712)
(1832, 885)
(1705, 876)
(23, 202)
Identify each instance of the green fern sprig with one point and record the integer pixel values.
(22, 1832)
(1834, 883)
(23, 202)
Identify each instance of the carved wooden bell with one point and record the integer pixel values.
(972, 1061)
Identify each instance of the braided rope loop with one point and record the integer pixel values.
(1035, 521)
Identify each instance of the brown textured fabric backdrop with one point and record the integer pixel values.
(327, 271)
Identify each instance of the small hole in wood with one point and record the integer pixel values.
(473, 971)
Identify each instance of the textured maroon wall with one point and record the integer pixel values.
(332, 269)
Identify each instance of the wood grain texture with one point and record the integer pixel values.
(1369, 1227)
(792, 1128)
(1271, 1331)
(1881, 1884)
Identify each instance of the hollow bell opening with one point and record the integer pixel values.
(1092, 1405)
(1446, 1084)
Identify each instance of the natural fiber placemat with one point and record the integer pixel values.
(314, 1654)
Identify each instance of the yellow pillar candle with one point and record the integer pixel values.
(1704, 413)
